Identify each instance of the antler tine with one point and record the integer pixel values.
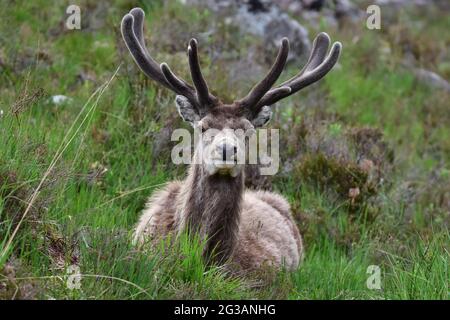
(318, 54)
(132, 32)
(315, 69)
(311, 76)
(138, 26)
(319, 51)
(260, 89)
(178, 85)
(139, 54)
(201, 87)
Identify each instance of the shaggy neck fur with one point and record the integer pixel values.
(211, 206)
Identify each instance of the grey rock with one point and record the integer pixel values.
(401, 2)
(272, 25)
(346, 9)
(398, 4)
(263, 19)
(60, 99)
(431, 79)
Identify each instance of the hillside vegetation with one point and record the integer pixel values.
(366, 163)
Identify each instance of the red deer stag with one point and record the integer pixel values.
(247, 228)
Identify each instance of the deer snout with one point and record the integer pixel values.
(228, 151)
(224, 158)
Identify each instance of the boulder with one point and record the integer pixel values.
(431, 79)
(263, 19)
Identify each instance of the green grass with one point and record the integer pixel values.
(110, 127)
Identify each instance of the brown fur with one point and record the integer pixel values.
(250, 228)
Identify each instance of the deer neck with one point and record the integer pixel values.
(211, 206)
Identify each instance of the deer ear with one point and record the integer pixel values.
(263, 117)
(186, 109)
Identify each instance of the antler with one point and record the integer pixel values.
(318, 65)
(203, 95)
(132, 33)
(258, 91)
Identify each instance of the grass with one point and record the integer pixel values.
(74, 177)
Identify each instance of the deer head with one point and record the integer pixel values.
(203, 110)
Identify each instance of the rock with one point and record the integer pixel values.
(397, 4)
(313, 4)
(245, 68)
(346, 9)
(316, 18)
(292, 6)
(400, 3)
(60, 99)
(214, 5)
(316, 11)
(431, 79)
(272, 25)
(263, 19)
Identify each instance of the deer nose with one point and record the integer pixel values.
(228, 151)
